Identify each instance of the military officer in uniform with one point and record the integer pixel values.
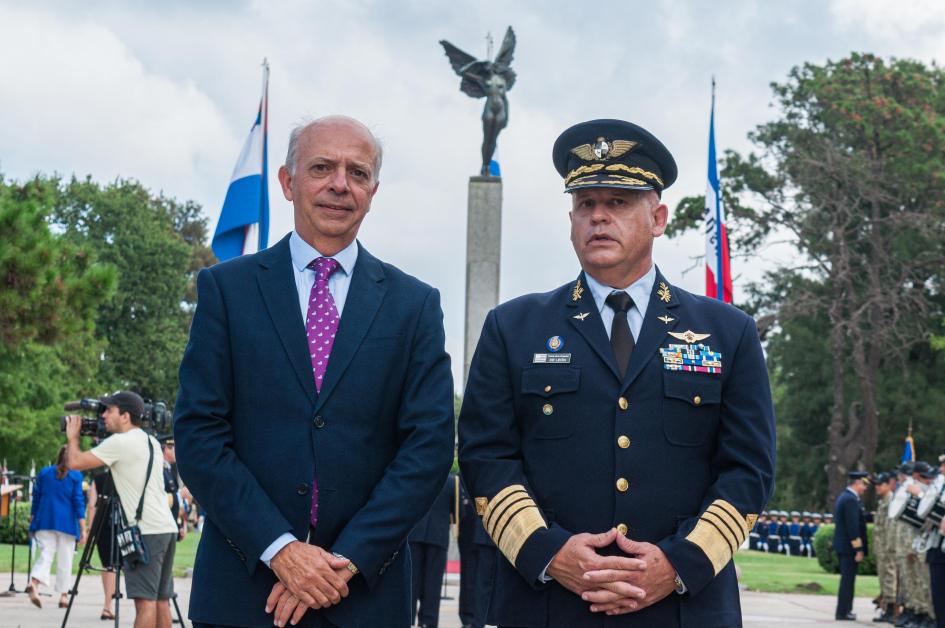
(849, 540)
(617, 433)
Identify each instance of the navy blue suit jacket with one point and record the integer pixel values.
(250, 430)
(545, 449)
(849, 533)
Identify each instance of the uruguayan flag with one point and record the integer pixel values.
(244, 220)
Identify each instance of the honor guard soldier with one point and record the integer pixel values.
(849, 540)
(784, 532)
(884, 551)
(760, 527)
(807, 535)
(617, 433)
(774, 541)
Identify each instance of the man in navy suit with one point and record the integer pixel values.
(849, 540)
(315, 416)
(617, 433)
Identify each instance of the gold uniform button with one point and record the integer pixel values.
(623, 442)
(547, 409)
(547, 388)
(622, 485)
(622, 528)
(623, 403)
(697, 400)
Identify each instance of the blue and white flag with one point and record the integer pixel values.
(244, 220)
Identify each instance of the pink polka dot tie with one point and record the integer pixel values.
(321, 325)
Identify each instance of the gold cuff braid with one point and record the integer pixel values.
(510, 518)
(719, 533)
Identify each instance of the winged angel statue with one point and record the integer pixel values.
(489, 80)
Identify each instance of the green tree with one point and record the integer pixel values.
(157, 245)
(50, 290)
(853, 172)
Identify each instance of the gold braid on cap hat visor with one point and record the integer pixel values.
(612, 178)
(582, 170)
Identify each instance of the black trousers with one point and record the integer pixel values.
(848, 568)
(937, 572)
(468, 566)
(429, 563)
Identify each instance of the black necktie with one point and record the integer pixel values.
(620, 337)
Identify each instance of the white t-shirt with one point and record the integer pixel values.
(126, 454)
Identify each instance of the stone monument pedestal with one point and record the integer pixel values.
(483, 248)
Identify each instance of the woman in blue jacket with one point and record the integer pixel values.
(57, 519)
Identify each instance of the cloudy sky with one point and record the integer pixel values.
(165, 92)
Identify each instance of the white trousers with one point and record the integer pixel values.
(51, 543)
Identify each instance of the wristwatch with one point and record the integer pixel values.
(351, 566)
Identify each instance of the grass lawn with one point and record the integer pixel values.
(760, 571)
(794, 574)
(183, 559)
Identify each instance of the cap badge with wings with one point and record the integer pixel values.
(603, 149)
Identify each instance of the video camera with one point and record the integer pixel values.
(155, 419)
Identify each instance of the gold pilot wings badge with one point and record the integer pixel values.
(688, 335)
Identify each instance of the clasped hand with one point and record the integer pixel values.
(309, 577)
(614, 585)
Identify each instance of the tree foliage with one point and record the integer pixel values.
(853, 173)
(97, 294)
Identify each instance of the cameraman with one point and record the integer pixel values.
(126, 454)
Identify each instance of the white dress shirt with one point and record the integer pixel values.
(303, 254)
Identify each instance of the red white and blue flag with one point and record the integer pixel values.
(718, 273)
(244, 220)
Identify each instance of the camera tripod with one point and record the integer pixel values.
(10, 592)
(114, 521)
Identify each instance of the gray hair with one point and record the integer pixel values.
(298, 130)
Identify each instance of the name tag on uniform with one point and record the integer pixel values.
(551, 358)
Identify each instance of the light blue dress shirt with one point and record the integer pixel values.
(303, 254)
(639, 291)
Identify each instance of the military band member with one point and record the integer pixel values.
(883, 550)
(935, 557)
(849, 540)
(617, 422)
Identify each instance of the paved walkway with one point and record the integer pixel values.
(761, 610)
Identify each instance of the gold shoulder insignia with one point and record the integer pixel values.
(619, 147)
(577, 292)
(689, 336)
(585, 152)
(666, 319)
(663, 293)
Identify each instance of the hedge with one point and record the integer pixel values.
(823, 545)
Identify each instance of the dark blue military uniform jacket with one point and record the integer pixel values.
(552, 446)
(849, 534)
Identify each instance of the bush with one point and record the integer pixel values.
(22, 524)
(827, 558)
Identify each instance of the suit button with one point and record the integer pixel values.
(622, 485)
(697, 400)
(547, 409)
(622, 528)
(622, 403)
(623, 441)
(302, 489)
(547, 388)
(319, 421)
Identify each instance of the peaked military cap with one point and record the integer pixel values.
(795, 513)
(612, 154)
(858, 475)
(907, 467)
(921, 467)
(882, 477)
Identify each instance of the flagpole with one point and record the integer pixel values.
(719, 270)
(264, 188)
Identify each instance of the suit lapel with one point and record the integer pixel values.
(276, 282)
(364, 298)
(579, 302)
(663, 301)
